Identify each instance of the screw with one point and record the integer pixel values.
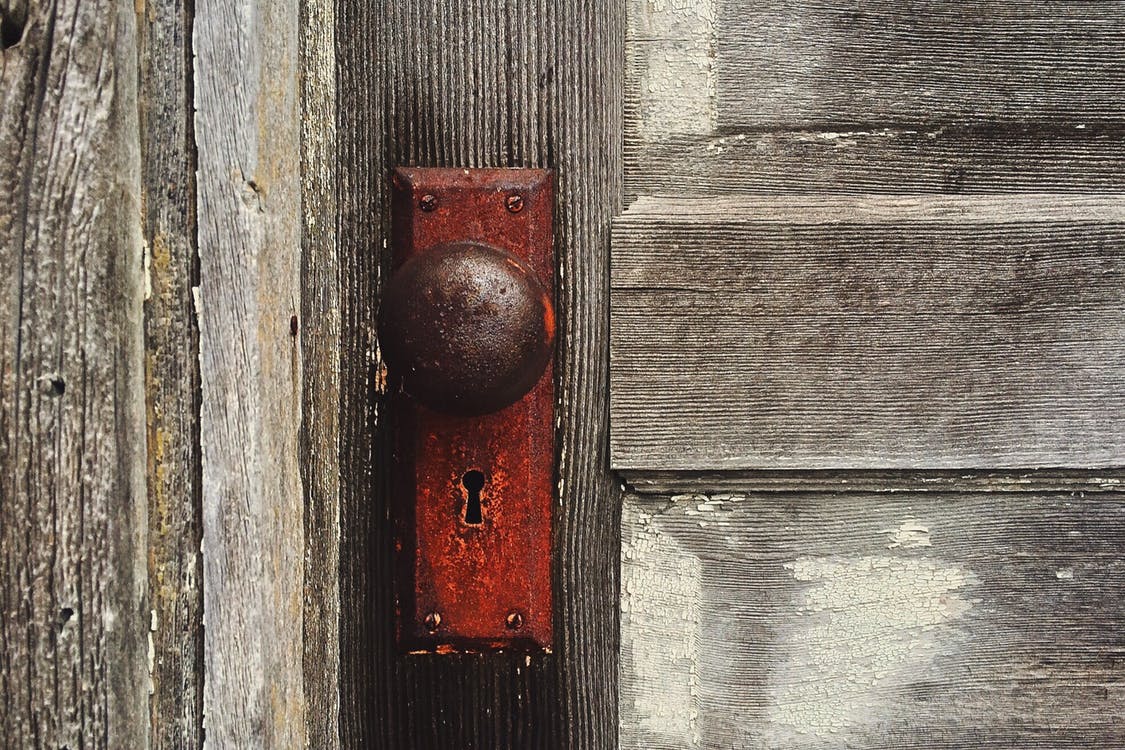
(515, 203)
(433, 620)
(514, 621)
(428, 203)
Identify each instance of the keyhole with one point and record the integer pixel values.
(473, 482)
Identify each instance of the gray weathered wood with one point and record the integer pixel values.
(819, 62)
(73, 616)
(910, 332)
(175, 565)
(319, 326)
(878, 160)
(489, 83)
(872, 621)
(249, 186)
(683, 137)
(649, 482)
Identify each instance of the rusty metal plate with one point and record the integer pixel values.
(474, 493)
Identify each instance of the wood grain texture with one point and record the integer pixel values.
(250, 218)
(319, 326)
(485, 83)
(872, 621)
(683, 136)
(1041, 480)
(977, 160)
(814, 62)
(910, 332)
(175, 524)
(74, 622)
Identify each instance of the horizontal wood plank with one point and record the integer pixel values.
(816, 62)
(690, 128)
(878, 160)
(869, 333)
(650, 482)
(872, 621)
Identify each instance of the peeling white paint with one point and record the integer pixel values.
(909, 535)
(146, 260)
(151, 651)
(863, 628)
(660, 631)
(672, 43)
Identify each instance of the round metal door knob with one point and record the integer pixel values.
(466, 327)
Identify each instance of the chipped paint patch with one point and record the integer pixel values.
(660, 619)
(863, 629)
(672, 55)
(909, 535)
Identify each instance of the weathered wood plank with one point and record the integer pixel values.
(1041, 480)
(487, 83)
(880, 160)
(872, 621)
(319, 326)
(248, 136)
(175, 524)
(911, 332)
(73, 616)
(678, 141)
(793, 64)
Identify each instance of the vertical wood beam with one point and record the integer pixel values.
(249, 192)
(481, 83)
(320, 343)
(73, 616)
(175, 523)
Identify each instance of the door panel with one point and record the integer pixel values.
(911, 620)
(810, 62)
(825, 332)
(868, 284)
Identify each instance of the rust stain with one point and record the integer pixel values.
(475, 575)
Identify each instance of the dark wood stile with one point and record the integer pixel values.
(489, 83)
(175, 524)
(318, 325)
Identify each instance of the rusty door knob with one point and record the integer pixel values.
(466, 328)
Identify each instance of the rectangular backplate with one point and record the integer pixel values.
(475, 586)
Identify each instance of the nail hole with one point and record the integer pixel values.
(473, 482)
(11, 31)
(58, 385)
(66, 613)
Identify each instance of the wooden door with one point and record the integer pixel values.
(868, 375)
(861, 389)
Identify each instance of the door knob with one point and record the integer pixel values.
(466, 328)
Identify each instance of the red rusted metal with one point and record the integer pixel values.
(465, 585)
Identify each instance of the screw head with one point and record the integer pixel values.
(514, 621)
(432, 621)
(428, 202)
(515, 203)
